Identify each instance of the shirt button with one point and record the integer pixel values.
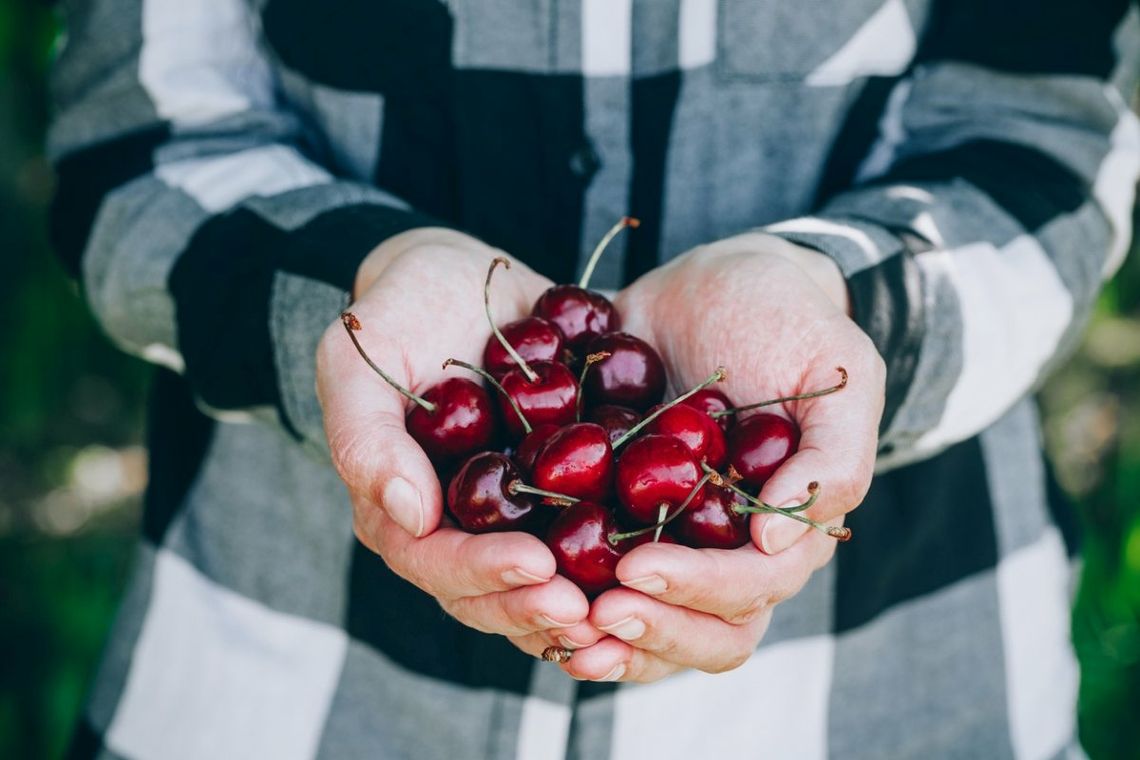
(585, 161)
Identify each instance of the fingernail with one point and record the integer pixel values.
(781, 532)
(570, 643)
(647, 584)
(516, 576)
(629, 629)
(615, 674)
(557, 623)
(402, 502)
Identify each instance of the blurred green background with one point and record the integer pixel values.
(72, 467)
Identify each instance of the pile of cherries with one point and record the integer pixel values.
(580, 451)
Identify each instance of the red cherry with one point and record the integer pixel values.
(478, 497)
(552, 398)
(580, 314)
(576, 461)
(711, 523)
(758, 445)
(710, 400)
(528, 449)
(654, 470)
(579, 540)
(617, 420)
(534, 339)
(698, 431)
(462, 423)
(632, 376)
(629, 544)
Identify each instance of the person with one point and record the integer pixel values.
(926, 192)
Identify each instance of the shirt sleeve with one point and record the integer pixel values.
(995, 202)
(207, 237)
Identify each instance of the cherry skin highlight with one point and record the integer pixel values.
(576, 461)
(652, 471)
(698, 431)
(535, 339)
(551, 399)
(632, 376)
(617, 420)
(759, 444)
(478, 498)
(711, 523)
(580, 314)
(709, 400)
(579, 540)
(463, 421)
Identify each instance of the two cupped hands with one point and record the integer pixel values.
(773, 313)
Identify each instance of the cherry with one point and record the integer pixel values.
(710, 401)
(533, 338)
(758, 445)
(479, 497)
(580, 314)
(754, 506)
(451, 420)
(576, 461)
(617, 420)
(629, 544)
(712, 523)
(550, 399)
(698, 431)
(654, 473)
(531, 444)
(579, 540)
(632, 376)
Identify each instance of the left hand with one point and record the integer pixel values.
(775, 315)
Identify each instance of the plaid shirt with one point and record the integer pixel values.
(225, 166)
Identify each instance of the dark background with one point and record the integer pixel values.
(72, 466)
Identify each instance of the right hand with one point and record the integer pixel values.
(419, 298)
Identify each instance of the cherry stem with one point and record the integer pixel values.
(591, 359)
(530, 375)
(352, 325)
(515, 487)
(798, 397)
(715, 377)
(616, 538)
(588, 272)
(495, 384)
(759, 507)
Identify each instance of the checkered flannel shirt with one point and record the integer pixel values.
(224, 166)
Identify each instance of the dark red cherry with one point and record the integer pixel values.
(630, 544)
(576, 461)
(579, 540)
(535, 339)
(551, 399)
(759, 444)
(463, 421)
(617, 420)
(632, 376)
(478, 497)
(698, 431)
(709, 400)
(528, 449)
(580, 314)
(711, 523)
(652, 471)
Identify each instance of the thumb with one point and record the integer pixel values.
(383, 467)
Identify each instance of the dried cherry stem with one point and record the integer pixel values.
(588, 272)
(352, 326)
(755, 506)
(715, 377)
(515, 487)
(798, 397)
(530, 375)
(591, 359)
(560, 655)
(616, 538)
(494, 384)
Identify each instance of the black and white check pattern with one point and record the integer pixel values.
(225, 165)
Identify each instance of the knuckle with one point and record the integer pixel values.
(750, 612)
(732, 660)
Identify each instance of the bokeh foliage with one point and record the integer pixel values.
(70, 427)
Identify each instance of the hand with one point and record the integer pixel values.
(420, 301)
(774, 315)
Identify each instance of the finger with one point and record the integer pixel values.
(734, 585)
(838, 441)
(614, 660)
(556, 605)
(681, 636)
(364, 423)
(452, 563)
